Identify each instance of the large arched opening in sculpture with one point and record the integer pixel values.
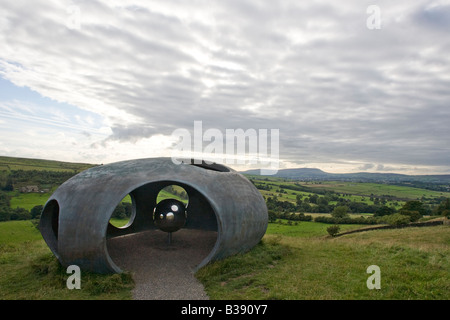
(76, 224)
(199, 232)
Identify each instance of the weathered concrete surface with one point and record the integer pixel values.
(75, 220)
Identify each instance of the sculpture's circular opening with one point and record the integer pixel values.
(49, 224)
(192, 243)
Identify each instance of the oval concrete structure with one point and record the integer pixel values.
(75, 220)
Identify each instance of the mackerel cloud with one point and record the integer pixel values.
(337, 90)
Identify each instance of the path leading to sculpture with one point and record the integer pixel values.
(162, 271)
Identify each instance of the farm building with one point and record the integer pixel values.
(29, 189)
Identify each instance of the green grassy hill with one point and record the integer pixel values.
(29, 271)
(14, 163)
(358, 195)
(47, 175)
(304, 264)
(297, 262)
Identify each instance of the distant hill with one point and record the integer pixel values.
(14, 163)
(36, 175)
(299, 173)
(434, 182)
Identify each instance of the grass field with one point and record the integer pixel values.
(414, 264)
(292, 262)
(28, 270)
(305, 229)
(27, 200)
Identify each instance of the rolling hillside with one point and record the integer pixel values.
(432, 182)
(14, 163)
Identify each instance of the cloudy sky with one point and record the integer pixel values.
(351, 85)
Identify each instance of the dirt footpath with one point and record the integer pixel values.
(162, 271)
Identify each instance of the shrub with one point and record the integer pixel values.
(412, 215)
(303, 217)
(346, 220)
(396, 219)
(20, 214)
(122, 211)
(333, 230)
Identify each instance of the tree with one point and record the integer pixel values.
(5, 213)
(36, 211)
(298, 200)
(272, 216)
(443, 209)
(128, 207)
(305, 207)
(9, 185)
(414, 205)
(119, 212)
(4, 199)
(384, 211)
(313, 198)
(340, 212)
(413, 209)
(322, 201)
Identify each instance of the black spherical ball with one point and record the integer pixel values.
(169, 215)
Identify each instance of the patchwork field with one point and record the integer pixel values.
(367, 189)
